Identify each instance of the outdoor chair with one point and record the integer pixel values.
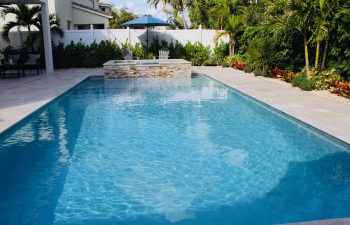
(127, 54)
(33, 62)
(163, 53)
(12, 62)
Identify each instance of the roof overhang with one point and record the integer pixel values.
(90, 10)
(9, 2)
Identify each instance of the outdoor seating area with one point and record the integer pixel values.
(18, 65)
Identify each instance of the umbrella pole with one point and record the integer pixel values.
(147, 43)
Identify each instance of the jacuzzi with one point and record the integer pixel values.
(115, 69)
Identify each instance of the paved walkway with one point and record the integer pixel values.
(326, 114)
(19, 97)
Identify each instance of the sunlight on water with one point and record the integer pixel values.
(163, 151)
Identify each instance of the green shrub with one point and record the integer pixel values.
(177, 50)
(212, 61)
(261, 73)
(261, 54)
(343, 68)
(324, 79)
(139, 51)
(303, 83)
(248, 69)
(82, 55)
(220, 52)
(197, 53)
(154, 46)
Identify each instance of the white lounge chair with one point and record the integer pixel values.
(163, 53)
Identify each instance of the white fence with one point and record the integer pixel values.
(206, 37)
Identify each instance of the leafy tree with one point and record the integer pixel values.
(199, 14)
(180, 6)
(296, 15)
(120, 16)
(28, 17)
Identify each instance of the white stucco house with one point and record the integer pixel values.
(77, 14)
(81, 14)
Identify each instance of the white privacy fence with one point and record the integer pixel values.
(206, 37)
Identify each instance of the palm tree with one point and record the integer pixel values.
(294, 15)
(28, 17)
(120, 16)
(230, 15)
(24, 18)
(179, 5)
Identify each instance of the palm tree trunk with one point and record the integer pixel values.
(184, 20)
(317, 54)
(30, 38)
(325, 52)
(231, 45)
(307, 63)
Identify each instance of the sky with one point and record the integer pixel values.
(139, 7)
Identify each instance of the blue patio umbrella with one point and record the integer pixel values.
(146, 21)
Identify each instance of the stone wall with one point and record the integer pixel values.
(139, 70)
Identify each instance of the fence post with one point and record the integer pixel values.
(129, 35)
(19, 37)
(200, 33)
(92, 33)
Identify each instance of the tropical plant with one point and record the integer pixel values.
(120, 16)
(261, 54)
(28, 17)
(284, 15)
(197, 53)
(303, 82)
(180, 7)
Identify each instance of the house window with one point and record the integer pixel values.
(103, 9)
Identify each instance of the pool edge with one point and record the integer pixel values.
(272, 108)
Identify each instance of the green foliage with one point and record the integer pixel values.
(139, 51)
(325, 79)
(155, 46)
(261, 73)
(94, 55)
(220, 52)
(261, 54)
(177, 50)
(197, 53)
(81, 55)
(343, 68)
(120, 16)
(28, 17)
(248, 69)
(303, 83)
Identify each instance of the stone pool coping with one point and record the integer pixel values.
(325, 114)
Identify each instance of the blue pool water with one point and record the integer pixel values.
(168, 151)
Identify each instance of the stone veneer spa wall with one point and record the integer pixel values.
(178, 68)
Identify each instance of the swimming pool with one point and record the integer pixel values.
(168, 151)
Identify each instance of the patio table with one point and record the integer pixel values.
(14, 69)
